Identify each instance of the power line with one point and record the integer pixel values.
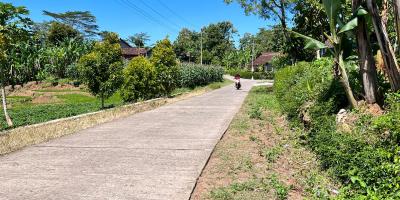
(174, 13)
(146, 15)
(159, 14)
(124, 4)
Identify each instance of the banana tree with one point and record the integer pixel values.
(338, 35)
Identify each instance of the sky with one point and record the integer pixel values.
(158, 18)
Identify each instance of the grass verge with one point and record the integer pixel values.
(259, 157)
(14, 139)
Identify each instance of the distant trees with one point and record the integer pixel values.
(83, 21)
(101, 69)
(187, 45)
(216, 39)
(139, 39)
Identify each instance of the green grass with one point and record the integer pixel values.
(252, 155)
(24, 112)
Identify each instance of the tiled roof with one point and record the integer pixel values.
(265, 58)
(133, 51)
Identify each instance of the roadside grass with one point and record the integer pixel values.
(72, 105)
(24, 112)
(260, 157)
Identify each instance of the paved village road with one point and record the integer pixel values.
(157, 154)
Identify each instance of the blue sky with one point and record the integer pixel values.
(123, 17)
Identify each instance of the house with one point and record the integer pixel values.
(129, 52)
(264, 60)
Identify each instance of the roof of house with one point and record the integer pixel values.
(133, 51)
(124, 44)
(265, 58)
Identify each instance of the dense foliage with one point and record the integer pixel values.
(364, 157)
(140, 80)
(164, 59)
(192, 75)
(101, 69)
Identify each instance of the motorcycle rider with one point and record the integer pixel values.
(237, 81)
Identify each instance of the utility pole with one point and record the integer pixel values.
(252, 61)
(201, 46)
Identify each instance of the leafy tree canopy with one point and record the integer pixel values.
(59, 32)
(83, 21)
(101, 69)
(139, 39)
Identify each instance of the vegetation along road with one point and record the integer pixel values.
(152, 155)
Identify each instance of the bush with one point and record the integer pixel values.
(281, 61)
(101, 69)
(366, 159)
(193, 75)
(140, 80)
(248, 74)
(164, 59)
(308, 82)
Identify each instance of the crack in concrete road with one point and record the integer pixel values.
(157, 154)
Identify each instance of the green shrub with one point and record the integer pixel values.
(140, 80)
(366, 160)
(308, 82)
(281, 61)
(101, 69)
(164, 60)
(192, 75)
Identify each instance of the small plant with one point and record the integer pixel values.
(256, 113)
(281, 189)
(271, 154)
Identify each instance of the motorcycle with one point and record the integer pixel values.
(237, 84)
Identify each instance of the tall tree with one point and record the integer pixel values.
(83, 21)
(396, 11)
(187, 45)
(139, 39)
(365, 57)
(13, 23)
(217, 41)
(268, 9)
(389, 58)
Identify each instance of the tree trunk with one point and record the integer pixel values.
(3, 95)
(102, 101)
(384, 13)
(366, 60)
(344, 79)
(389, 58)
(396, 11)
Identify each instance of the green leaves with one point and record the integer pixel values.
(331, 9)
(311, 43)
(349, 26)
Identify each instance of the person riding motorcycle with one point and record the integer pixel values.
(237, 81)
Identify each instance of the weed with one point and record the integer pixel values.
(271, 154)
(280, 188)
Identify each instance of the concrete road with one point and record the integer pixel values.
(157, 154)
